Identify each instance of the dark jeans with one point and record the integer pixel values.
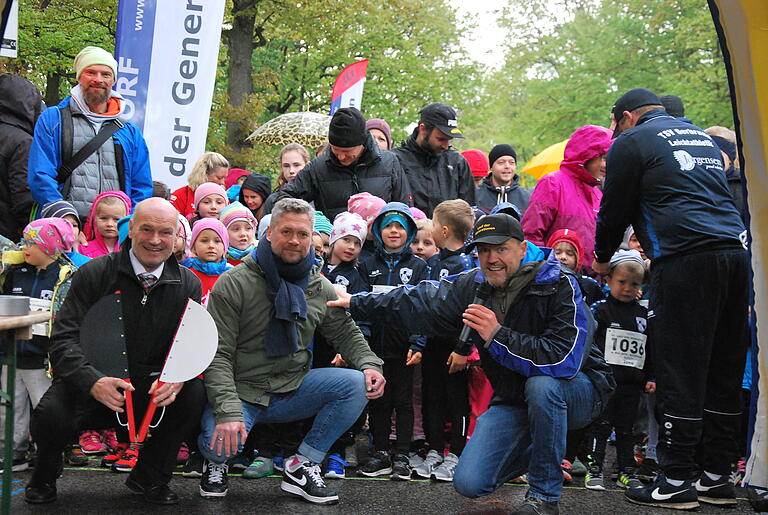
(64, 410)
(620, 414)
(445, 398)
(397, 397)
(697, 320)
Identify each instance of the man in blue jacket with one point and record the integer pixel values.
(534, 336)
(666, 178)
(120, 163)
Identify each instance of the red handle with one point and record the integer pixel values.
(129, 413)
(149, 414)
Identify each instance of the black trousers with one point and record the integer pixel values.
(445, 397)
(398, 398)
(620, 414)
(698, 320)
(64, 410)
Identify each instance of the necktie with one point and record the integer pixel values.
(147, 281)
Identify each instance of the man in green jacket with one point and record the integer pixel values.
(266, 312)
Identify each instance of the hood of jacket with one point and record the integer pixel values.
(257, 182)
(20, 102)
(404, 210)
(96, 246)
(585, 143)
(425, 156)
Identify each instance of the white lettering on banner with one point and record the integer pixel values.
(625, 348)
(126, 86)
(185, 51)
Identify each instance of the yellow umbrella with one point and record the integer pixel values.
(548, 160)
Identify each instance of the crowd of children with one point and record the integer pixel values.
(433, 396)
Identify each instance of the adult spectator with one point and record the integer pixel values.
(57, 168)
(153, 296)
(674, 106)
(261, 371)
(725, 139)
(353, 164)
(478, 165)
(210, 167)
(20, 106)
(435, 171)
(569, 198)
(534, 335)
(503, 183)
(381, 133)
(666, 178)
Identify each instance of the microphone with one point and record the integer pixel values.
(483, 293)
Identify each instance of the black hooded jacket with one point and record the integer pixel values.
(489, 195)
(330, 184)
(20, 105)
(435, 178)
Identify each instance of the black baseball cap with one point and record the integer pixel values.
(495, 230)
(630, 101)
(443, 117)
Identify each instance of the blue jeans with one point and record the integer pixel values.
(335, 396)
(511, 440)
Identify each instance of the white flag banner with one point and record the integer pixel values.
(167, 55)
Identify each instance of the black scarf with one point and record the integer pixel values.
(286, 284)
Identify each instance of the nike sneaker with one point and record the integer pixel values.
(303, 479)
(663, 494)
(716, 491)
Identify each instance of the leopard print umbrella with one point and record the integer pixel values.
(309, 129)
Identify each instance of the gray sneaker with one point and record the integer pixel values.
(431, 462)
(447, 468)
(594, 479)
(259, 467)
(414, 460)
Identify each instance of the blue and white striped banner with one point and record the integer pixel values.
(167, 53)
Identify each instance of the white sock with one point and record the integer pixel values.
(713, 477)
(295, 461)
(675, 482)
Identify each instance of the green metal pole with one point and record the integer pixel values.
(10, 391)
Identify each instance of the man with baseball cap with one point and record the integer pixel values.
(352, 164)
(435, 171)
(534, 335)
(82, 147)
(666, 178)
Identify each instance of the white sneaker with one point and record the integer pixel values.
(431, 462)
(414, 460)
(447, 468)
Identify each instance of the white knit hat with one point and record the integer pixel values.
(348, 224)
(91, 55)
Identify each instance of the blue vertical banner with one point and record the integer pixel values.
(133, 49)
(167, 53)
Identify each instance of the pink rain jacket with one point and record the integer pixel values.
(96, 245)
(569, 198)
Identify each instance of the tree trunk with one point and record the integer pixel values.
(52, 87)
(240, 83)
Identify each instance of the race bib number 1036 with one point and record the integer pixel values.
(626, 348)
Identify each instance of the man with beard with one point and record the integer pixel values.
(434, 170)
(65, 161)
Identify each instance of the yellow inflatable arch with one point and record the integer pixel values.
(742, 27)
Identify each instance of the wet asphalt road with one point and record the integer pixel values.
(94, 490)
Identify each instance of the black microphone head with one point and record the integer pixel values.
(484, 290)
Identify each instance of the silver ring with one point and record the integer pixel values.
(221, 438)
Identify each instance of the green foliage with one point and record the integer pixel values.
(572, 59)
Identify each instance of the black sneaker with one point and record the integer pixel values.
(303, 479)
(648, 470)
(665, 495)
(194, 465)
(401, 469)
(17, 465)
(719, 492)
(628, 479)
(214, 481)
(536, 506)
(379, 465)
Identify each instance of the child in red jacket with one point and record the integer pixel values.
(208, 246)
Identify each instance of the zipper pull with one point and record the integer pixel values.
(144, 299)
